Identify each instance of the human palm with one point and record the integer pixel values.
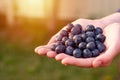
(102, 60)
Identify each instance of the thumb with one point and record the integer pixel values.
(105, 58)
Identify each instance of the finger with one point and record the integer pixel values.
(51, 54)
(86, 63)
(43, 51)
(39, 47)
(105, 58)
(61, 56)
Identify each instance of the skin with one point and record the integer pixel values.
(111, 29)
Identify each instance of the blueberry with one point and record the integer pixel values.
(101, 47)
(87, 53)
(64, 39)
(64, 33)
(90, 34)
(59, 37)
(60, 49)
(71, 36)
(77, 39)
(90, 28)
(69, 42)
(80, 27)
(98, 30)
(82, 45)
(77, 53)
(69, 50)
(59, 43)
(100, 37)
(75, 30)
(97, 42)
(95, 53)
(90, 39)
(53, 47)
(91, 45)
(83, 36)
(69, 27)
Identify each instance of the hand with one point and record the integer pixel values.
(45, 49)
(112, 43)
(68, 60)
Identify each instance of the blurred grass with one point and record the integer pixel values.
(19, 62)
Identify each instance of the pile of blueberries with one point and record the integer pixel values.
(75, 41)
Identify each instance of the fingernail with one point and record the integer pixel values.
(98, 63)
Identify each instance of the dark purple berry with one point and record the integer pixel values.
(98, 30)
(90, 34)
(75, 30)
(69, 42)
(82, 45)
(60, 49)
(80, 27)
(64, 33)
(77, 53)
(83, 36)
(64, 39)
(90, 28)
(87, 53)
(97, 42)
(77, 39)
(59, 38)
(90, 39)
(95, 53)
(100, 37)
(59, 43)
(53, 47)
(69, 50)
(69, 27)
(101, 47)
(91, 45)
(71, 36)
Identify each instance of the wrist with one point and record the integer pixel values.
(114, 18)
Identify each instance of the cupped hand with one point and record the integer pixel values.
(112, 33)
(45, 49)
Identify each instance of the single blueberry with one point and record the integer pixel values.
(87, 53)
(75, 30)
(60, 49)
(90, 34)
(69, 42)
(77, 53)
(69, 50)
(53, 47)
(98, 30)
(59, 43)
(64, 39)
(71, 36)
(69, 27)
(100, 37)
(101, 47)
(82, 45)
(90, 39)
(83, 36)
(77, 39)
(95, 53)
(58, 37)
(91, 45)
(98, 42)
(80, 27)
(90, 28)
(64, 33)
